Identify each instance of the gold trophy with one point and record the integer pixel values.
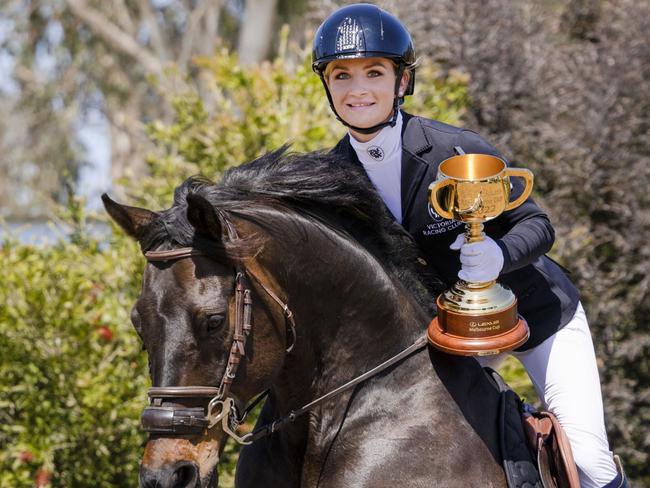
(476, 319)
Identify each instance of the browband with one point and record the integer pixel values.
(171, 254)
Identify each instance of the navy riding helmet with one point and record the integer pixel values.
(364, 31)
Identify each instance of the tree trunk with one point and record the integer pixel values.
(256, 33)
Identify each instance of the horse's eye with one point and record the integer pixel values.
(213, 323)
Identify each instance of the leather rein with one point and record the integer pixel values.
(192, 410)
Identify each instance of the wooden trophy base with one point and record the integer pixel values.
(477, 346)
(477, 320)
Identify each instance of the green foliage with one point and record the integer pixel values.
(72, 374)
(247, 112)
(515, 375)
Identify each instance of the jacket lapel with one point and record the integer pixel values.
(414, 143)
(345, 148)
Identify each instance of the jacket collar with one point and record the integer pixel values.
(414, 143)
(414, 137)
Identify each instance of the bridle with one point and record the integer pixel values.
(192, 410)
(167, 413)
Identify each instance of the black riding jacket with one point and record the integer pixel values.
(547, 298)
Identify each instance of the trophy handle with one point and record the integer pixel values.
(527, 176)
(434, 188)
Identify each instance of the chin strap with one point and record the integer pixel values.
(397, 101)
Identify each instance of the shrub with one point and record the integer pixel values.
(71, 376)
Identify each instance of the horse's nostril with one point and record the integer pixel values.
(185, 475)
(180, 475)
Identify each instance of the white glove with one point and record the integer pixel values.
(482, 261)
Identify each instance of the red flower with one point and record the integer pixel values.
(105, 333)
(42, 478)
(26, 456)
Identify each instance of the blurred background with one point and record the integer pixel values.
(132, 96)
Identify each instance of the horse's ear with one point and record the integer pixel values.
(131, 219)
(203, 216)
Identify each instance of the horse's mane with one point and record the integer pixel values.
(323, 187)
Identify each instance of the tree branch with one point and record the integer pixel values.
(157, 40)
(211, 21)
(190, 33)
(123, 17)
(256, 32)
(113, 35)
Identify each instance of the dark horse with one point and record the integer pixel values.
(308, 231)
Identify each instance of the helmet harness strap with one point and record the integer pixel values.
(397, 101)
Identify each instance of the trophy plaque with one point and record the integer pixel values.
(476, 319)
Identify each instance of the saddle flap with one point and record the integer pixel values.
(552, 450)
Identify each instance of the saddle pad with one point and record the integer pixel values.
(518, 464)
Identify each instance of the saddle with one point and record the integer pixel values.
(535, 450)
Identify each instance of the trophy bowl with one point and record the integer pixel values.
(476, 319)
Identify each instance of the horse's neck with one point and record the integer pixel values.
(350, 313)
(351, 316)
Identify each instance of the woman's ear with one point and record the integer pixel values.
(404, 82)
(326, 76)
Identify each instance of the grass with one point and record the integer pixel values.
(515, 375)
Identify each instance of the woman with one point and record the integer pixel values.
(366, 61)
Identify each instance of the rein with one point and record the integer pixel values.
(168, 411)
(276, 425)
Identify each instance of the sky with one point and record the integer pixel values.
(92, 132)
(95, 175)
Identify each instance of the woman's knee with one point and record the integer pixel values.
(594, 461)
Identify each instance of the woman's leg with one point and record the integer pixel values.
(564, 373)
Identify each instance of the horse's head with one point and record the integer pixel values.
(214, 336)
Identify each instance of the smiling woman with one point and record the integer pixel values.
(354, 52)
(362, 91)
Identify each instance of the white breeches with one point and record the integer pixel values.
(564, 373)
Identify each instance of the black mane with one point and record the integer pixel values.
(322, 186)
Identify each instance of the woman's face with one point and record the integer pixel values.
(362, 91)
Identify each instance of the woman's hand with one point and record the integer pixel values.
(482, 261)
